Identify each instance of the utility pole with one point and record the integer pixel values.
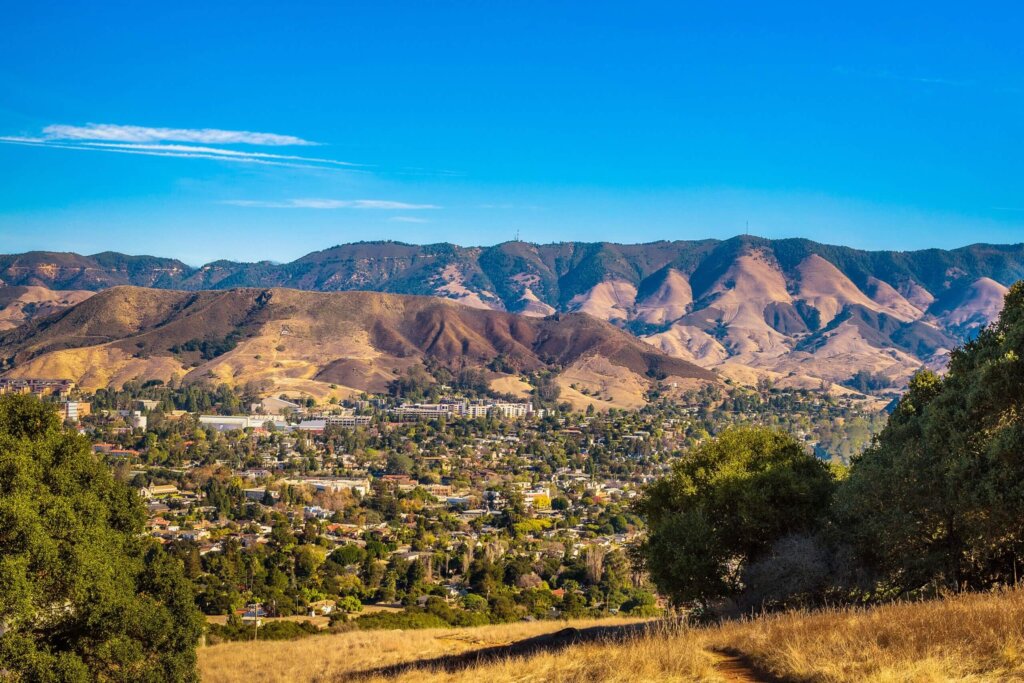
(257, 610)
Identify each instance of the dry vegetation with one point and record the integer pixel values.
(974, 638)
(325, 344)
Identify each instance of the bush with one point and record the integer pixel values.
(271, 630)
(399, 620)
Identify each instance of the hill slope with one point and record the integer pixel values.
(309, 341)
(970, 637)
(21, 304)
(791, 309)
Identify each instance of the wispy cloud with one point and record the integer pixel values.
(408, 219)
(110, 132)
(330, 204)
(164, 142)
(22, 139)
(190, 149)
(532, 207)
(889, 75)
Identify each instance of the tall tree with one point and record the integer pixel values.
(83, 594)
(725, 503)
(937, 500)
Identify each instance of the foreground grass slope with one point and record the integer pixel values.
(975, 637)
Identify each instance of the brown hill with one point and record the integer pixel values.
(324, 342)
(764, 308)
(21, 304)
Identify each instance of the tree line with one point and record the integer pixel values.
(749, 520)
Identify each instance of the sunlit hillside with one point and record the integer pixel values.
(976, 637)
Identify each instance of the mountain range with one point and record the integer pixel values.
(794, 311)
(336, 343)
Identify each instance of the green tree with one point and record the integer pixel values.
(724, 504)
(350, 604)
(936, 501)
(83, 594)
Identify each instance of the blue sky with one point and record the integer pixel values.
(259, 131)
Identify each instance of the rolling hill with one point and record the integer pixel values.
(795, 311)
(21, 304)
(324, 343)
(963, 637)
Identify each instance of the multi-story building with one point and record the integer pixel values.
(39, 387)
(73, 411)
(348, 420)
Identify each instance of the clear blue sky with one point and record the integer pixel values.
(179, 128)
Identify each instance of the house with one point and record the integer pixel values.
(539, 497)
(316, 512)
(160, 491)
(194, 534)
(494, 500)
(258, 494)
(439, 490)
(134, 418)
(321, 607)
(252, 614)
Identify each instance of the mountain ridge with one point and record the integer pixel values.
(597, 261)
(793, 307)
(331, 343)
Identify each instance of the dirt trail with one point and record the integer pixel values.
(736, 668)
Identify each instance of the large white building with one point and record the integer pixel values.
(332, 484)
(227, 423)
(463, 408)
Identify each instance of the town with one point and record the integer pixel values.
(449, 507)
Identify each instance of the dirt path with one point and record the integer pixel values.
(735, 668)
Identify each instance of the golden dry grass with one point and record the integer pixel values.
(333, 657)
(972, 638)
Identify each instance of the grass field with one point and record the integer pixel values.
(973, 638)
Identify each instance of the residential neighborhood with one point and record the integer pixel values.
(379, 507)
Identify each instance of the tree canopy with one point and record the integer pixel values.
(933, 504)
(83, 594)
(726, 503)
(937, 500)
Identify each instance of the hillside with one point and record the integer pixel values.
(975, 637)
(794, 311)
(21, 304)
(330, 343)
